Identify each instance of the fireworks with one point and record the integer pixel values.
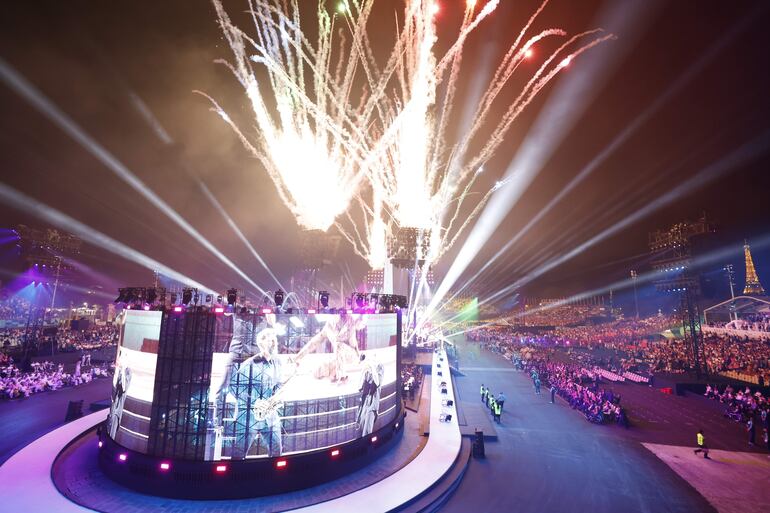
(305, 136)
(386, 149)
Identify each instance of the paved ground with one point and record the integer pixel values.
(549, 459)
(24, 420)
(734, 482)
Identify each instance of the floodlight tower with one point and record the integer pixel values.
(731, 279)
(671, 252)
(634, 277)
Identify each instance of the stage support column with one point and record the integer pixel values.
(387, 279)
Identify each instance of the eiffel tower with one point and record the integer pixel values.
(753, 287)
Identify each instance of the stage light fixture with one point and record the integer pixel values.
(335, 452)
(323, 299)
(187, 296)
(173, 297)
(165, 466)
(280, 464)
(123, 457)
(152, 295)
(360, 300)
(232, 296)
(278, 297)
(221, 468)
(209, 299)
(219, 300)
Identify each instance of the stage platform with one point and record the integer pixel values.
(415, 470)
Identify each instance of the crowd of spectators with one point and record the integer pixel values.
(635, 345)
(743, 406)
(14, 310)
(96, 337)
(16, 383)
(748, 322)
(65, 339)
(544, 314)
(578, 386)
(411, 378)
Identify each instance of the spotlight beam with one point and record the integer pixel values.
(31, 206)
(26, 90)
(219, 208)
(716, 256)
(623, 137)
(568, 102)
(738, 157)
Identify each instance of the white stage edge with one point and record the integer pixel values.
(25, 479)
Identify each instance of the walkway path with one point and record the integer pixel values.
(549, 459)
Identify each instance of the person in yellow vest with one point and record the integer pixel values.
(702, 447)
(498, 411)
(483, 394)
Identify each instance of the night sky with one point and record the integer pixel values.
(125, 74)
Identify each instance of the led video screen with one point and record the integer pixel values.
(216, 387)
(292, 383)
(134, 378)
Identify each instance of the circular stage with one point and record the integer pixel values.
(77, 476)
(60, 471)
